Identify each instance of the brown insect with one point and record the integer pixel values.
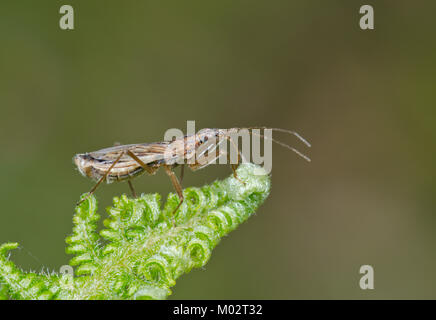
(125, 162)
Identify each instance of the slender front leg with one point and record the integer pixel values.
(199, 164)
(204, 157)
(177, 186)
(235, 166)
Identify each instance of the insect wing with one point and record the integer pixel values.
(147, 152)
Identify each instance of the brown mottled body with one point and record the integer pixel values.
(94, 165)
(126, 162)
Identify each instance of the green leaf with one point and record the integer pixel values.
(143, 249)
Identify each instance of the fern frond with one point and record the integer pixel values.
(18, 284)
(84, 241)
(143, 249)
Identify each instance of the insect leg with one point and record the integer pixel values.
(143, 165)
(140, 162)
(131, 188)
(101, 179)
(234, 166)
(200, 165)
(176, 184)
(204, 155)
(182, 172)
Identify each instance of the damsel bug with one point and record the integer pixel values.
(125, 162)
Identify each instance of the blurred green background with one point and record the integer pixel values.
(132, 69)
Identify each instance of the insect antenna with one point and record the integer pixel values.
(285, 131)
(284, 144)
